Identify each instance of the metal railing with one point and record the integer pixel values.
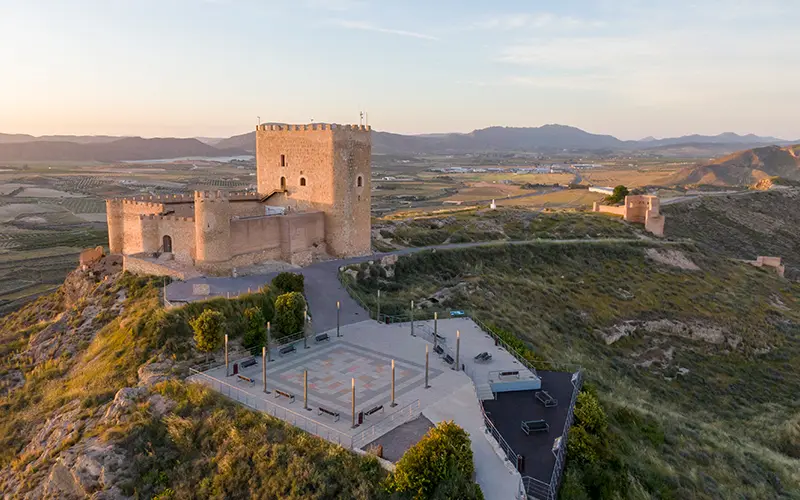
(275, 410)
(399, 417)
(549, 491)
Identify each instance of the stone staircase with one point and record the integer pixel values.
(484, 392)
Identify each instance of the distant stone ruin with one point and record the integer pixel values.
(639, 209)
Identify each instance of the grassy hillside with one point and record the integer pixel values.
(508, 223)
(89, 403)
(744, 168)
(693, 356)
(746, 226)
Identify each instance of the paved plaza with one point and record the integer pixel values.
(364, 352)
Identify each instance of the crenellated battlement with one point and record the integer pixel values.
(312, 127)
(210, 195)
(244, 196)
(171, 218)
(143, 204)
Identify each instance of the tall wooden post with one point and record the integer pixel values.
(458, 350)
(305, 318)
(412, 319)
(435, 329)
(426, 367)
(353, 396)
(269, 334)
(393, 404)
(378, 318)
(227, 372)
(264, 367)
(338, 310)
(305, 389)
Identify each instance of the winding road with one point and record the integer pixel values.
(323, 288)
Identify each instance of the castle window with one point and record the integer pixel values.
(283, 183)
(359, 181)
(283, 160)
(166, 245)
(302, 181)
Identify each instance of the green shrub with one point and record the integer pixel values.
(438, 466)
(289, 282)
(208, 330)
(289, 310)
(619, 194)
(256, 333)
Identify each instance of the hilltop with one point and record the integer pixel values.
(744, 168)
(124, 149)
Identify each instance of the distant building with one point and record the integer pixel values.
(641, 209)
(602, 190)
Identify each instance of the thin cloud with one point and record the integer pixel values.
(541, 20)
(364, 26)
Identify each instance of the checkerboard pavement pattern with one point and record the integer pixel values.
(331, 369)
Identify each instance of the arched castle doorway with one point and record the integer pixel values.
(167, 244)
(283, 183)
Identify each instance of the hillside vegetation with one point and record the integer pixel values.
(92, 403)
(507, 223)
(693, 356)
(742, 226)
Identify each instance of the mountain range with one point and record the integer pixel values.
(544, 139)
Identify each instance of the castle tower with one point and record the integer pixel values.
(116, 226)
(212, 223)
(323, 167)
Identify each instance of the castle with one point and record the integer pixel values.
(642, 209)
(312, 200)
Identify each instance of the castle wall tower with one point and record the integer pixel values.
(212, 229)
(116, 228)
(323, 167)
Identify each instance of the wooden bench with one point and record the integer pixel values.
(438, 350)
(287, 395)
(373, 411)
(449, 360)
(546, 399)
(246, 379)
(287, 349)
(483, 357)
(251, 361)
(322, 337)
(334, 414)
(529, 426)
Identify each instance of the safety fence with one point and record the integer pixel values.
(275, 410)
(369, 434)
(397, 418)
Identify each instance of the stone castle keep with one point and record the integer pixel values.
(313, 200)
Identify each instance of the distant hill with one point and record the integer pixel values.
(749, 140)
(77, 139)
(545, 139)
(744, 167)
(126, 149)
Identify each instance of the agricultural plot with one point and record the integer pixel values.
(84, 205)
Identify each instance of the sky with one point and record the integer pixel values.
(630, 68)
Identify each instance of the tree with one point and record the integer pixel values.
(255, 334)
(289, 310)
(289, 282)
(619, 194)
(209, 327)
(438, 466)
